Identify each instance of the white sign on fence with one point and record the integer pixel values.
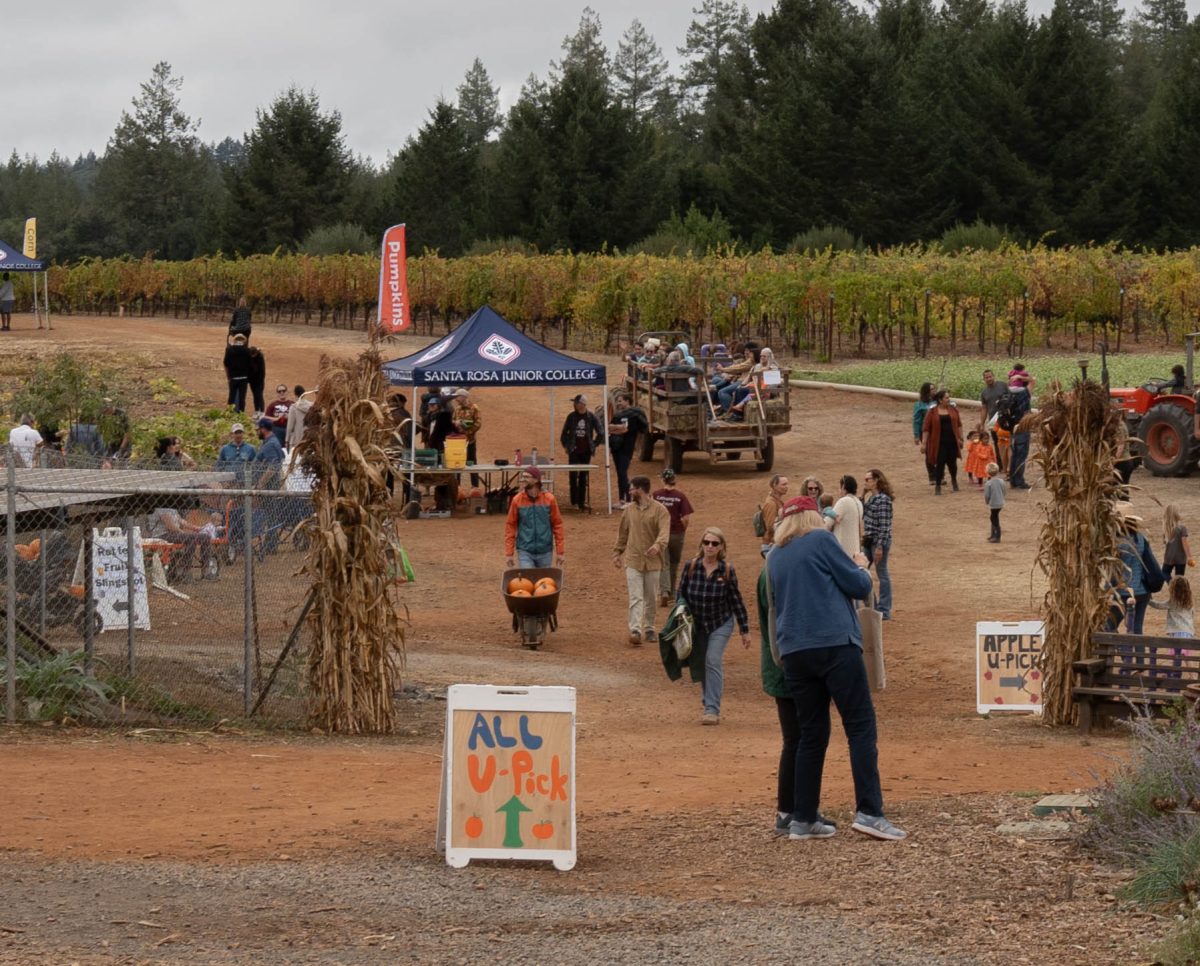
(110, 579)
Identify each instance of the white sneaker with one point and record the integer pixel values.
(877, 827)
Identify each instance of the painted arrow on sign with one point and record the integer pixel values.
(512, 810)
(1017, 682)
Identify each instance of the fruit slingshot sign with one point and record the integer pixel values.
(508, 777)
(1007, 676)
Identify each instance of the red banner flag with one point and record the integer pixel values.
(393, 282)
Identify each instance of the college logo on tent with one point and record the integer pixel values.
(499, 350)
(436, 351)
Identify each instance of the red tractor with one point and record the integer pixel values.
(1164, 419)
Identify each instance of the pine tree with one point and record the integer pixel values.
(478, 104)
(294, 177)
(640, 72)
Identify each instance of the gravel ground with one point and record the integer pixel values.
(395, 911)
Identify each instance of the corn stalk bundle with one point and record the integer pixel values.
(1080, 434)
(356, 654)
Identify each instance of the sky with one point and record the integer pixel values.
(382, 64)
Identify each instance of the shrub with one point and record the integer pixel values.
(340, 239)
(979, 236)
(493, 246)
(693, 233)
(825, 238)
(56, 688)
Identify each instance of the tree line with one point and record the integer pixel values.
(817, 124)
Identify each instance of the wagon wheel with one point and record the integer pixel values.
(648, 441)
(768, 456)
(675, 454)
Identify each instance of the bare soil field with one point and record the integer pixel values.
(239, 848)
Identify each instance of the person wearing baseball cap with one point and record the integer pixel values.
(236, 454)
(581, 435)
(815, 636)
(534, 528)
(680, 509)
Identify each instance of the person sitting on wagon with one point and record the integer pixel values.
(534, 528)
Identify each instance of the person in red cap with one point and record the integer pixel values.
(534, 529)
(812, 586)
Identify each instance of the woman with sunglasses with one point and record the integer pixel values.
(709, 586)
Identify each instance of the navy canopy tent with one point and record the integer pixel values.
(12, 260)
(486, 350)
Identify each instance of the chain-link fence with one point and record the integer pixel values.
(153, 594)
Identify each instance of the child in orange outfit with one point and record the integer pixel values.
(979, 454)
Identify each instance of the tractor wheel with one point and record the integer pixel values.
(675, 454)
(648, 441)
(768, 458)
(1166, 431)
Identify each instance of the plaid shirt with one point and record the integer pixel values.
(877, 520)
(713, 600)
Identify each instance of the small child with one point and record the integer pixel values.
(825, 502)
(993, 496)
(215, 527)
(969, 455)
(1178, 606)
(981, 455)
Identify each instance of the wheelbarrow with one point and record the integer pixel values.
(532, 615)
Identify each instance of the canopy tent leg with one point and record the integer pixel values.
(46, 293)
(607, 456)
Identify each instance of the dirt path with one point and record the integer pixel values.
(666, 808)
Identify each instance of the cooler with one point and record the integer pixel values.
(456, 452)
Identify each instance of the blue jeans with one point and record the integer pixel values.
(725, 395)
(814, 676)
(884, 603)
(527, 559)
(1018, 454)
(714, 668)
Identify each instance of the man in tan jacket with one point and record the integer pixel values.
(641, 540)
(776, 497)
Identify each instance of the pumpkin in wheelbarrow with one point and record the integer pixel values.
(544, 588)
(520, 583)
(520, 592)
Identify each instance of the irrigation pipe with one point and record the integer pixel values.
(875, 391)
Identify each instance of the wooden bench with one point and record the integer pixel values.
(1133, 669)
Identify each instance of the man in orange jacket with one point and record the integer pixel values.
(534, 528)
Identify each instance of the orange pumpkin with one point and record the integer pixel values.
(520, 583)
(547, 581)
(520, 593)
(474, 827)
(543, 830)
(544, 590)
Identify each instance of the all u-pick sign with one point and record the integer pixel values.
(508, 781)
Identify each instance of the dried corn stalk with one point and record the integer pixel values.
(1079, 433)
(356, 654)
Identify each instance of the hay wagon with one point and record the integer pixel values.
(680, 409)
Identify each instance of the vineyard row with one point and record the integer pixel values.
(825, 305)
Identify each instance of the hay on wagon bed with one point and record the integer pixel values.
(1080, 436)
(356, 654)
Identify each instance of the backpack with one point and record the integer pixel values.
(1010, 409)
(760, 525)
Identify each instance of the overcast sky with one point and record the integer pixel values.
(381, 63)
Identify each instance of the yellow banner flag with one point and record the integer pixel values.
(31, 238)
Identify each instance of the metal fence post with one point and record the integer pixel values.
(248, 605)
(43, 536)
(89, 599)
(10, 560)
(130, 597)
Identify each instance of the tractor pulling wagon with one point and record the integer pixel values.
(680, 409)
(1164, 421)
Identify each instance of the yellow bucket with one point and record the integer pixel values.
(456, 452)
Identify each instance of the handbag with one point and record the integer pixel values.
(1154, 576)
(871, 622)
(679, 629)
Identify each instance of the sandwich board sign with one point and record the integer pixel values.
(111, 575)
(1007, 675)
(508, 775)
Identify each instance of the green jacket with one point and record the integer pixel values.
(772, 674)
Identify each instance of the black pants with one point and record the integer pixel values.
(946, 461)
(996, 522)
(579, 481)
(789, 728)
(257, 389)
(1168, 569)
(471, 458)
(237, 394)
(621, 460)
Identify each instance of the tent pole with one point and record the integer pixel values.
(607, 454)
(46, 291)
